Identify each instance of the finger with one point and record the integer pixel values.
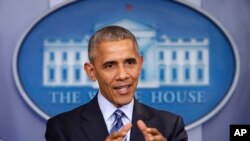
(143, 128)
(157, 138)
(141, 125)
(113, 137)
(155, 135)
(119, 135)
(126, 128)
(152, 131)
(116, 135)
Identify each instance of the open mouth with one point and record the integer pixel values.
(124, 89)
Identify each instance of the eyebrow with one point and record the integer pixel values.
(108, 63)
(114, 62)
(130, 59)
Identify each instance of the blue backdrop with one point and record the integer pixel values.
(19, 122)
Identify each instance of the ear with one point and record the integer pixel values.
(141, 62)
(89, 69)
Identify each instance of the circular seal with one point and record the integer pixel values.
(191, 65)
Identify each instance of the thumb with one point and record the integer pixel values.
(141, 125)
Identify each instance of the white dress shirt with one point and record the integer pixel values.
(109, 109)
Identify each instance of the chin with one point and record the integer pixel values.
(127, 101)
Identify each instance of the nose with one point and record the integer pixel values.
(122, 73)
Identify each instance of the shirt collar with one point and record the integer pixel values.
(109, 108)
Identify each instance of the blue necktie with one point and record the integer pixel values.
(117, 124)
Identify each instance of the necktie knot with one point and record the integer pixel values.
(118, 114)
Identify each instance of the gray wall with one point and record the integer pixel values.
(18, 122)
(234, 15)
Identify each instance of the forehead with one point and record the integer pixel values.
(116, 45)
(116, 49)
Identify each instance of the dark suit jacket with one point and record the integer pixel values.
(86, 123)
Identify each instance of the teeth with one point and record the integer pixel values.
(122, 90)
(121, 87)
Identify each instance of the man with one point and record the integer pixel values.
(114, 114)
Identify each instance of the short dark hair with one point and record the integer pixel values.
(109, 33)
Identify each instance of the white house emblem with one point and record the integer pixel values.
(190, 65)
(179, 62)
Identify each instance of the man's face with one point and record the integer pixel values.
(116, 67)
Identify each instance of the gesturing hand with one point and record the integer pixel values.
(150, 134)
(119, 135)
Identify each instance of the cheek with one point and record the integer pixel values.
(105, 79)
(135, 74)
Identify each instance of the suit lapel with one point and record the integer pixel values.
(93, 124)
(94, 127)
(139, 113)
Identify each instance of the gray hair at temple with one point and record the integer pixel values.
(109, 33)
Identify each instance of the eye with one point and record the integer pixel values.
(131, 62)
(109, 65)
